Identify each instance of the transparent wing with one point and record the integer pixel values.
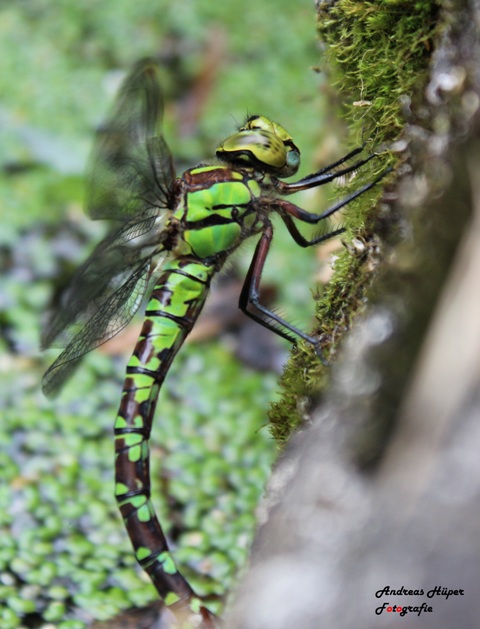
(105, 293)
(131, 172)
(131, 178)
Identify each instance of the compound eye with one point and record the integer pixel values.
(256, 147)
(268, 149)
(293, 159)
(263, 145)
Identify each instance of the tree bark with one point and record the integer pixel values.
(382, 490)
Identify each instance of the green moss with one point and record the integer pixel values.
(376, 55)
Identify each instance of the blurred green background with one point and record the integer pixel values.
(65, 560)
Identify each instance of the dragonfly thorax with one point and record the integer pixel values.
(216, 212)
(263, 145)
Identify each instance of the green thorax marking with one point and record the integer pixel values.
(218, 210)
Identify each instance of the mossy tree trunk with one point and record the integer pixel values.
(383, 488)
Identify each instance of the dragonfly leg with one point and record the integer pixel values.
(309, 217)
(322, 176)
(300, 238)
(333, 165)
(250, 296)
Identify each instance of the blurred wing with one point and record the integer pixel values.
(131, 171)
(104, 295)
(123, 303)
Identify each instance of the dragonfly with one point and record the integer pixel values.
(172, 235)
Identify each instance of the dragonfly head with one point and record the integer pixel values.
(263, 145)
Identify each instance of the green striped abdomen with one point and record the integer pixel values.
(175, 304)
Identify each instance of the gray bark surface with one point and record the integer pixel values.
(383, 488)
